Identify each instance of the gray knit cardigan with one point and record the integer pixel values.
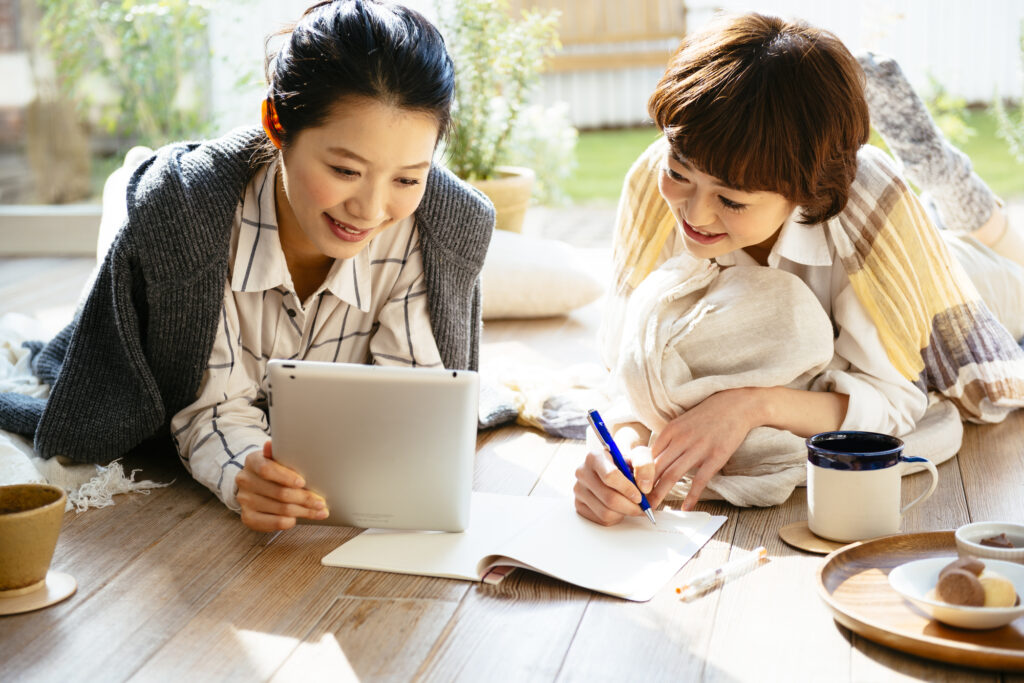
(136, 352)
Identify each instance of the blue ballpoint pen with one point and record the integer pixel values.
(602, 432)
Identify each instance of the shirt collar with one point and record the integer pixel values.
(798, 243)
(349, 280)
(259, 262)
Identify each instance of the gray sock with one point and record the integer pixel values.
(963, 201)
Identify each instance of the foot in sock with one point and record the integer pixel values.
(963, 200)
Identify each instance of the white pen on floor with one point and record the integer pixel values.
(702, 583)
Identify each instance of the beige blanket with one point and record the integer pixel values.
(693, 329)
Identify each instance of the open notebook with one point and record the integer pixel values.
(631, 560)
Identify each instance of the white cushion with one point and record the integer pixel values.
(530, 277)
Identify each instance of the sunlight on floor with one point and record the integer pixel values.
(513, 450)
(312, 661)
(286, 658)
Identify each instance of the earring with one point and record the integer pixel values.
(271, 124)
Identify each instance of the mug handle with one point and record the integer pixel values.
(931, 489)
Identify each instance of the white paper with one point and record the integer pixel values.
(632, 559)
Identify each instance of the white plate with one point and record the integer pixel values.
(913, 580)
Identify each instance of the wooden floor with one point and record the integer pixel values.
(173, 587)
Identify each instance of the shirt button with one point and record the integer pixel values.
(291, 312)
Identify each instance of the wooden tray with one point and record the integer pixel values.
(854, 582)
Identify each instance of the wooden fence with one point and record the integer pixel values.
(613, 34)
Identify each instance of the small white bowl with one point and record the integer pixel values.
(969, 536)
(914, 580)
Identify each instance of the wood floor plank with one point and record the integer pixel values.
(947, 506)
(559, 476)
(513, 461)
(98, 545)
(17, 271)
(800, 640)
(519, 629)
(248, 629)
(368, 639)
(994, 477)
(35, 285)
(116, 629)
(873, 662)
(384, 585)
(562, 340)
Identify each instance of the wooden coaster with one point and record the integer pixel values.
(58, 586)
(800, 537)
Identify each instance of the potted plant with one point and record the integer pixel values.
(133, 70)
(498, 60)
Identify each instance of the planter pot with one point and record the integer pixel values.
(510, 194)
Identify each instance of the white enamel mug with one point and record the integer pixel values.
(853, 485)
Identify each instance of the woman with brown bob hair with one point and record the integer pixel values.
(735, 104)
(775, 277)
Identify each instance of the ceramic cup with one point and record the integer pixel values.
(30, 519)
(853, 485)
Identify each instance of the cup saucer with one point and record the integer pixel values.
(800, 536)
(58, 586)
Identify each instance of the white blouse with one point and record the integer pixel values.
(371, 308)
(881, 399)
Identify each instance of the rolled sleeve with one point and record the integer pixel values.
(215, 439)
(225, 423)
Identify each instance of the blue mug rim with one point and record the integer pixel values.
(840, 460)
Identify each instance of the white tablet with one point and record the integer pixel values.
(388, 447)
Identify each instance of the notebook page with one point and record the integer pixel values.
(631, 560)
(493, 521)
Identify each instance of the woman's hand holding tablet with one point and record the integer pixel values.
(273, 496)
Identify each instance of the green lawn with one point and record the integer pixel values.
(602, 159)
(604, 156)
(992, 160)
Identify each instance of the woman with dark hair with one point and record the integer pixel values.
(763, 181)
(329, 235)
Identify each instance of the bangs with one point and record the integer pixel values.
(767, 106)
(738, 132)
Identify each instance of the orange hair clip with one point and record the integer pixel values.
(271, 124)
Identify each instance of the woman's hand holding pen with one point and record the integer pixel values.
(273, 496)
(701, 439)
(603, 494)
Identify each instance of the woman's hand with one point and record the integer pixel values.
(273, 496)
(706, 436)
(603, 494)
(702, 439)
